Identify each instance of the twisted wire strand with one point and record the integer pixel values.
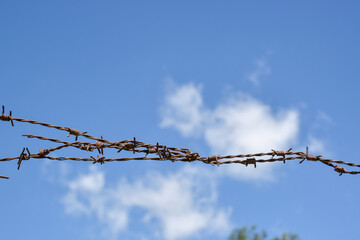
(156, 152)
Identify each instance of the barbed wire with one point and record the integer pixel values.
(155, 152)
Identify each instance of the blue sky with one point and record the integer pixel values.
(232, 77)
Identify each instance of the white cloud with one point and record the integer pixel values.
(247, 125)
(183, 109)
(239, 125)
(184, 204)
(180, 203)
(262, 68)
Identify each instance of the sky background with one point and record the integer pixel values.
(216, 77)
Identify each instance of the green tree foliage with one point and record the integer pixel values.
(251, 234)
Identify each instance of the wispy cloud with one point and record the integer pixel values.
(240, 124)
(320, 128)
(261, 69)
(179, 202)
(316, 145)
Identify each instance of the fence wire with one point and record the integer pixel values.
(156, 151)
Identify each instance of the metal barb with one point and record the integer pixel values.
(23, 156)
(75, 132)
(280, 153)
(100, 160)
(309, 157)
(340, 170)
(212, 159)
(6, 118)
(100, 146)
(250, 161)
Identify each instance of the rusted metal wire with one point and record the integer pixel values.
(156, 151)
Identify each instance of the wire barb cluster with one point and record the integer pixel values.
(155, 151)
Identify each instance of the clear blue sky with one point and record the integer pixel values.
(167, 72)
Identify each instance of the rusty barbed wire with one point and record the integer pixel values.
(156, 151)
